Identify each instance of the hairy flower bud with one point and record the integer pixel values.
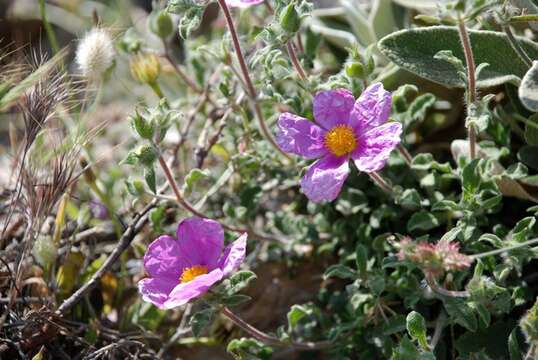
(145, 68)
(95, 53)
(161, 24)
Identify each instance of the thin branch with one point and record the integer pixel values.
(503, 250)
(295, 61)
(190, 83)
(138, 222)
(442, 291)
(524, 18)
(190, 208)
(380, 182)
(405, 154)
(250, 86)
(271, 340)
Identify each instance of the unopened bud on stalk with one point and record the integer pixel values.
(289, 20)
(161, 24)
(145, 68)
(95, 53)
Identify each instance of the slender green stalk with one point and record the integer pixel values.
(506, 249)
(524, 18)
(48, 28)
(156, 89)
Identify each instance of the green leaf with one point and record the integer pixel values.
(460, 312)
(416, 327)
(528, 90)
(149, 175)
(239, 281)
(234, 300)
(361, 259)
(409, 199)
(340, 271)
(414, 50)
(531, 129)
(296, 313)
(529, 156)
(200, 320)
(194, 176)
(249, 349)
(513, 346)
(420, 106)
(422, 220)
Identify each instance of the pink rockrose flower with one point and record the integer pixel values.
(343, 129)
(243, 3)
(184, 267)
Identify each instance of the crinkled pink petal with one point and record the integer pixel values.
(156, 290)
(184, 292)
(200, 241)
(372, 108)
(376, 145)
(164, 258)
(233, 255)
(333, 107)
(300, 136)
(324, 179)
(243, 3)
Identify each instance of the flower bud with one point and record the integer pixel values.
(147, 155)
(355, 70)
(160, 23)
(145, 68)
(95, 53)
(289, 20)
(143, 127)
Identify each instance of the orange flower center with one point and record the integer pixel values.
(341, 140)
(192, 272)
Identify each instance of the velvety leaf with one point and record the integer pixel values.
(340, 271)
(414, 50)
(200, 320)
(422, 220)
(460, 312)
(528, 90)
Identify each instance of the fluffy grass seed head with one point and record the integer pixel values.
(95, 53)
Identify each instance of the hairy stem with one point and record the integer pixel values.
(190, 83)
(524, 18)
(405, 154)
(271, 340)
(250, 86)
(471, 81)
(432, 283)
(381, 182)
(506, 249)
(516, 45)
(295, 60)
(187, 206)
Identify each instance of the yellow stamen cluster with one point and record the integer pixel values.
(191, 273)
(340, 140)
